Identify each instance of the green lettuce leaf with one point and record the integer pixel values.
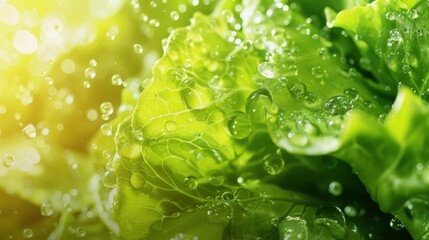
(392, 161)
(196, 158)
(392, 39)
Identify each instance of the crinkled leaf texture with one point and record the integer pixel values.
(196, 156)
(391, 158)
(393, 40)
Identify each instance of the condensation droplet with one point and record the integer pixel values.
(170, 126)
(395, 35)
(109, 179)
(238, 126)
(90, 73)
(174, 15)
(29, 131)
(9, 160)
(117, 80)
(106, 129)
(138, 48)
(106, 108)
(191, 182)
(273, 164)
(80, 231)
(27, 233)
(335, 188)
(267, 70)
(46, 209)
(396, 224)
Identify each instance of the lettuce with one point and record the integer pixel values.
(236, 119)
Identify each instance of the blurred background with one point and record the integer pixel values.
(63, 65)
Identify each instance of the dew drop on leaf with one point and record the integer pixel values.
(267, 70)
(109, 179)
(239, 125)
(257, 105)
(170, 126)
(219, 213)
(332, 219)
(191, 182)
(293, 228)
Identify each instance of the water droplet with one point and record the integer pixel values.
(280, 14)
(137, 134)
(350, 211)
(106, 108)
(395, 35)
(418, 33)
(191, 182)
(413, 14)
(8, 160)
(106, 129)
(93, 63)
(27, 233)
(216, 178)
(338, 105)
(391, 16)
(174, 16)
(29, 131)
(291, 228)
(258, 104)
(267, 69)
(153, 4)
(80, 231)
(406, 69)
(90, 73)
(311, 100)
(298, 90)
(238, 126)
(117, 80)
(219, 213)
(335, 188)
(332, 219)
(138, 48)
(273, 164)
(109, 179)
(352, 94)
(86, 84)
(137, 181)
(318, 72)
(46, 209)
(396, 224)
(170, 126)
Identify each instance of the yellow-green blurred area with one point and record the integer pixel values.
(63, 65)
